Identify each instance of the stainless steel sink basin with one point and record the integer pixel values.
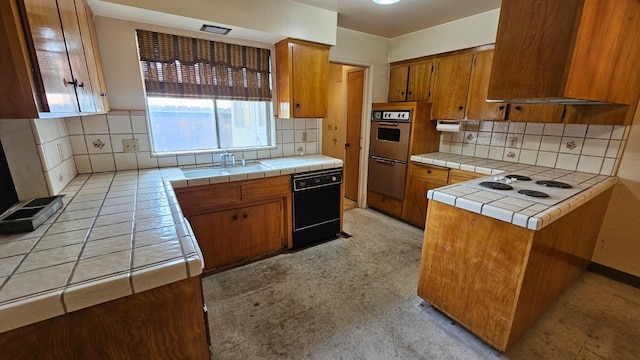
(221, 171)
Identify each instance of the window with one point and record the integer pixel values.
(204, 95)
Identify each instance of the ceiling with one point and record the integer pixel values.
(404, 17)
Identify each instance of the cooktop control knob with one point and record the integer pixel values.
(333, 178)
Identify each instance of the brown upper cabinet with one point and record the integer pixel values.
(567, 51)
(50, 67)
(302, 74)
(451, 87)
(411, 82)
(477, 106)
(460, 90)
(536, 113)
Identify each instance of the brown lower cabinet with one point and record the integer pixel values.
(422, 178)
(230, 236)
(238, 221)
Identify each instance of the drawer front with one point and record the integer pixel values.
(458, 176)
(385, 204)
(266, 188)
(431, 173)
(207, 196)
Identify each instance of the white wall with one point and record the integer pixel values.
(357, 48)
(471, 31)
(284, 18)
(23, 159)
(619, 241)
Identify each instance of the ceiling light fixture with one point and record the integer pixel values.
(385, 2)
(215, 29)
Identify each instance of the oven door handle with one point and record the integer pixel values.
(383, 161)
(388, 124)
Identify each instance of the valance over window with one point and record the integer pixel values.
(180, 66)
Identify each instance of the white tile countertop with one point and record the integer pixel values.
(117, 234)
(529, 213)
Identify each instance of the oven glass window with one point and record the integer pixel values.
(389, 134)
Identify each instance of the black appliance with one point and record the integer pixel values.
(316, 207)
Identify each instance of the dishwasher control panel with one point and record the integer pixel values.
(310, 180)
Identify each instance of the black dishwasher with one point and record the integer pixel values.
(316, 207)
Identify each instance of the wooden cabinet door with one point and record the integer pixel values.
(536, 113)
(310, 70)
(451, 86)
(51, 53)
(219, 237)
(92, 54)
(419, 85)
(398, 79)
(75, 51)
(477, 106)
(415, 205)
(262, 228)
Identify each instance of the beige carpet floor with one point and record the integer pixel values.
(355, 298)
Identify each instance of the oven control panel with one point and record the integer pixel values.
(391, 115)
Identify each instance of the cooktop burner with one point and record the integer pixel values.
(554, 184)
(518, 177)
(533, 193)
(496, 185)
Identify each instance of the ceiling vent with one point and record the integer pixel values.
(215, 29)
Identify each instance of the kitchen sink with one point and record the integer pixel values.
(221, 171)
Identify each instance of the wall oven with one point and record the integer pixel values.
(389, 152)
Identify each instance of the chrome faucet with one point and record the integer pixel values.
(225, 156)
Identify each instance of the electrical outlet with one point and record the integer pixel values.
(513, 141)
(304, 136)
(131, 145)
(60, 152)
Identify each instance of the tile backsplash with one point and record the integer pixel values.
(589, 148)
(96, 141)
(54, 148)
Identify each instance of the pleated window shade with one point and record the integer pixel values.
(180, 66)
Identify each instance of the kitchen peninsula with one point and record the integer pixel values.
(495, 262)
(116, 271)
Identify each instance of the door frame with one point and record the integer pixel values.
(365, 125)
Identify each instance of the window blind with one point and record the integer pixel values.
(180, 66)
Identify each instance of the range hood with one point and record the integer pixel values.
(578, 52)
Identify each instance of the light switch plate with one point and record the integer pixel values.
(131, 145)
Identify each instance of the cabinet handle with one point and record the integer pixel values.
(244, 216)
(518, 107)
(347, 145)
(235, 217)
(401, 92)
(103, 94)
(501, 107)
(410, 93)
(460, 107)
(428, 171)
(74, 82)
(81, 85)
(298, 105)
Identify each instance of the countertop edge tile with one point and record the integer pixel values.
(30, 310)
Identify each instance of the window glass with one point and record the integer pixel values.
(191, 125)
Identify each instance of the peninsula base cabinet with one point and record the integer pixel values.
(495, 278)
(167, 322)
(238, 221)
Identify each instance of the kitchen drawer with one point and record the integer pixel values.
(265, 188)
(385, 204)
(430, 172)
(458, 176)
(206, 196)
